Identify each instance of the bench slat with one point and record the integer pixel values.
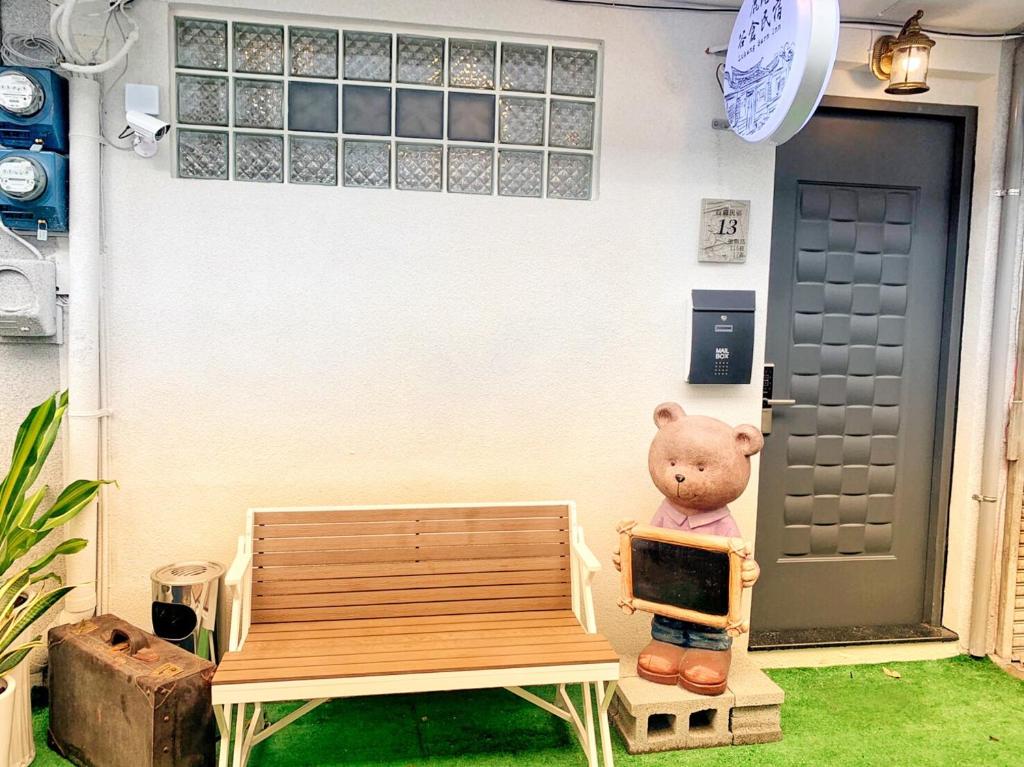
(382, 653)
(468, 622)
(394, 611)
(285, 640)
(328, 528)
(410, 596)
(267, 574)
(328, 585)
(505, 641)
(415, 542)
(307, 516)
(409, 554)
(411, 666)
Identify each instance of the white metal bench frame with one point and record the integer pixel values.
(241, 728)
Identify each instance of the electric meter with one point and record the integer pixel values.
(34, 191)
(22, 178)
(33, 109)
(20, 93)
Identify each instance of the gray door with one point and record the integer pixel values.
(855, 329)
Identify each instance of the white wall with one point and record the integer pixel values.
(277, 344)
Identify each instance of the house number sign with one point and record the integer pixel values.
(780, 58)
(723, 231)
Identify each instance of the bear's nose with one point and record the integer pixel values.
(680, 478)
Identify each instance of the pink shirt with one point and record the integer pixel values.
(717, 522)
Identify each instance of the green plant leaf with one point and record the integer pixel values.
(46, 440)
(17, 544)
(70, 546)
(9, 593)
(30, 612)
(9, 660)
(32, 435)
(69, 503)
(24, 515)
(21, 529)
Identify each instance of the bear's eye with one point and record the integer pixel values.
(700, 468)
(672, 463)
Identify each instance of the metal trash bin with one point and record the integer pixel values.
(185, 605)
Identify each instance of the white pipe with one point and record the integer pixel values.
(1000, 360)
(85, 276)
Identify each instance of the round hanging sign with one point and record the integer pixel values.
(780, 58)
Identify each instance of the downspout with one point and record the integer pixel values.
(85, 276)
(999, 364)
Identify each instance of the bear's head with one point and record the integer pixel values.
(700, 463)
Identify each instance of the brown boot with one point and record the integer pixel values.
(659, 662)
(704, 671)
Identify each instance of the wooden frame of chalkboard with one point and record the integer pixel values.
(717, 610)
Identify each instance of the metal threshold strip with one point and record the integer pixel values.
(849, 635)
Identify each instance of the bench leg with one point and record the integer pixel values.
(604, 699)
(223, 716)
(588, 720)
(238, 757)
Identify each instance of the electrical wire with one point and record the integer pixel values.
(25, 243)
(124, 39)
(991, 37)
(695, 7)
(106, 91)
(74, 60)
(868, 23)
(30, 51)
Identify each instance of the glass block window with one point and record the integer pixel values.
(413, 110)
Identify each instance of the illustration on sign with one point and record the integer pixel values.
(753, 93)
(780, 58)
(724, 231)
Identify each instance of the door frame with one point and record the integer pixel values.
(964, 120)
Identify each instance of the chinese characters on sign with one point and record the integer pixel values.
(723, 231)
(769, 24)
(779, 61)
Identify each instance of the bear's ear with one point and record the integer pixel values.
(666, 413)
(749, 439)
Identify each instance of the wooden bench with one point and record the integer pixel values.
(333, 602)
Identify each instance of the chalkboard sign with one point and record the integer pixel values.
(681, 575)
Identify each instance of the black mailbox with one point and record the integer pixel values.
(722, 342)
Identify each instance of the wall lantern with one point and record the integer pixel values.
(903, 60)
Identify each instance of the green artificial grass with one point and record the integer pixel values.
(949, 712)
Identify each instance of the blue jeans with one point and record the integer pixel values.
(683, 634)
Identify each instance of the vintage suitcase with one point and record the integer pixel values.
(120, 697)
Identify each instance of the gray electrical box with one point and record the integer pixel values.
(722, 339)
(28, 299)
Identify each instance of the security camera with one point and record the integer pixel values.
(147, 130)
(147, 126)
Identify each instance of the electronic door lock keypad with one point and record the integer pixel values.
(722, 342)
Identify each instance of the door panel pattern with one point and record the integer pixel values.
(846, 369)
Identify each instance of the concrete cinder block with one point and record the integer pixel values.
(756, 724)
(658, 717)
(655, 717)
(751, 686)
(757, 715)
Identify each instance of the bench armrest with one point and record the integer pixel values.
(586, 557)
(237, 572)
(589, 566)
(239, 583)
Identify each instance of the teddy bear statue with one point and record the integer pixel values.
(700, 465)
